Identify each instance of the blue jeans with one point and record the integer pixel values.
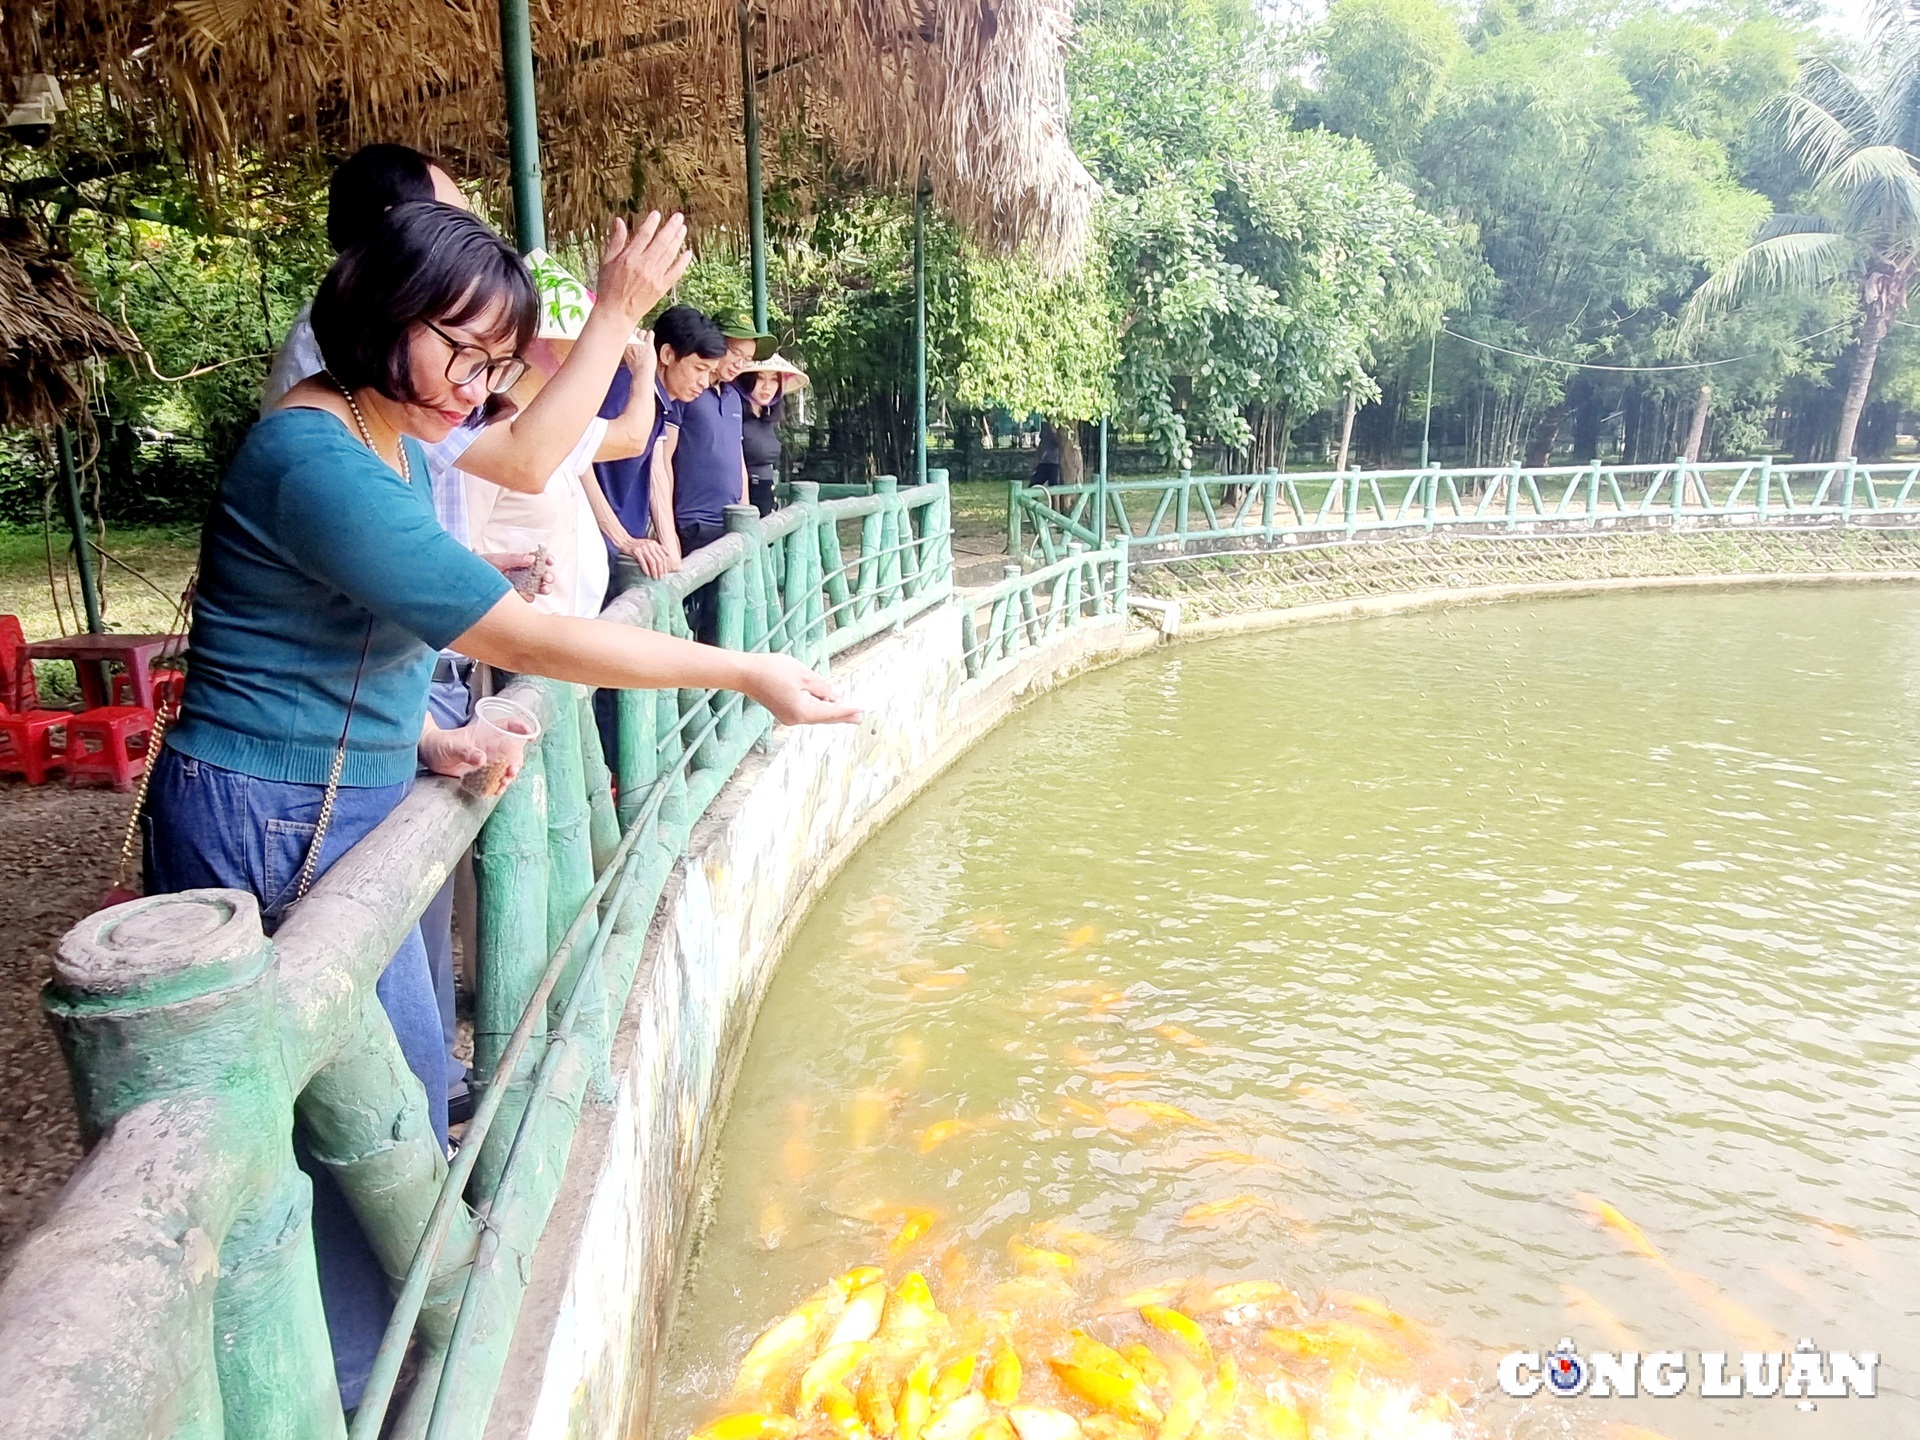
(208, 827)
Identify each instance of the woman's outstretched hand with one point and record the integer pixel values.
(796, 695)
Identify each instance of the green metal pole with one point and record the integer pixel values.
(523, 125)
(77, 519)
(920, 332)
(756, 213)
(1100, 524)
(1426, 428)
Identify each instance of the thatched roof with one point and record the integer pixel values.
(47, 327)
(634, 94)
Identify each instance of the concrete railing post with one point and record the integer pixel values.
(175, 996)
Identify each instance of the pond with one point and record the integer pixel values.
(1484, 976)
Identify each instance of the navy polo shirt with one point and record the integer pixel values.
(627, 483)
(706, 462)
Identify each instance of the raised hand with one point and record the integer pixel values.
(639, 266)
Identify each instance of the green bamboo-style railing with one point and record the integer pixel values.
(172, 1291)
(1179, 516)
(1025, 611)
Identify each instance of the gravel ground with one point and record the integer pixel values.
(58, 848)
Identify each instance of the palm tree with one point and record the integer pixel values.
(1858, 144)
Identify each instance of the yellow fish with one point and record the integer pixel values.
(876, 1406)
(1002, 1385)
(748, 1425)
(1189, 1404)
(837, 1404)
(1032, 1260)
(1182, 1330)
(1036, 1422)
(1154, 1112)
(941, 980)
(1749, 1329)
(997, 1428)
(1147, 1365)
(861, 1319)
(1321, 1098)
(911, 1310)
(1082, 937)
(773, 1224)
(1225, 1393)
(1277, 1420)
(1624, 1230)
(831, 1367)
(1064, 1237)
(911, 1058)
(958, 1418)
(1079, 1058)
(1337, 1340)
(796, 1155)
(1033, 1292)
(1410, 1329)
(1091, 1354)
(1589, 1311)
(953, 1381)
(1234, 1207)
(770, 1360)
(1150, 1295)
(1236, 1157)
(1246, 1292)
(1862, 1256)
(1183, 1037)
(872, 1109)
(912, 1230)
(1128, 1399)
(858, 1278)
(1081, 1110)
(916, 1403)
(941, 1131)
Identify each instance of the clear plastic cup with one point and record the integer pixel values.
(503, 729)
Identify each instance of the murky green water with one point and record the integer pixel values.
(1448, 920)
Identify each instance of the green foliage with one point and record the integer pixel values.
(1035, 343)
(1254, 265)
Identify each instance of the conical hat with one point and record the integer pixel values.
(778, 365)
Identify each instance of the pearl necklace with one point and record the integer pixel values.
(406, 466)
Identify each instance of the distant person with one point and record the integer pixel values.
(764, 386)
(1046, 464)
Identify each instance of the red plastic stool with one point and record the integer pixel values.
(168, 687)
(28, 743)
(108, 744)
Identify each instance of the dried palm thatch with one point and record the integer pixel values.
(639, 99)
(48, 327)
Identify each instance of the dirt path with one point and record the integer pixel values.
(57, 853)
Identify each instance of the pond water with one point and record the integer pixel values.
(1538, 970)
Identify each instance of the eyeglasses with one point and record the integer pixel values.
(469, 362)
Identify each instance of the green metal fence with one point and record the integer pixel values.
(1183, 515)
(172, 1291)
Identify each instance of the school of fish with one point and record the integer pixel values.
(872, 1355)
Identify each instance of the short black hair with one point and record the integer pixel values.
(689, 332)
(370, 182)
(423, 261)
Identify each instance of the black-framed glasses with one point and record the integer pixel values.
(469, 362)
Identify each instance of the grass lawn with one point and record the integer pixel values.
(163, 555)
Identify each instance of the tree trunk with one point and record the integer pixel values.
(1346, 433)
(1073, 464)
(1540, 450)
(1697, 428)
(1884, 295)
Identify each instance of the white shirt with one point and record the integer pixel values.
(296, 359)
(558, 517)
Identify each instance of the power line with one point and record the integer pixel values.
(1629, 369)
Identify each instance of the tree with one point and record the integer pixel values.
(1857, 145)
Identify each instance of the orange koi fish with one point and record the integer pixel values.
(1589, 1311)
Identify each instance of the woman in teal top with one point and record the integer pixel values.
(326, 588)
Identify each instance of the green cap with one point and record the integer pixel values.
(735, 326)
